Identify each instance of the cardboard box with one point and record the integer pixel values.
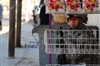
(60, 19)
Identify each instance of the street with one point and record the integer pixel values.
(24, 56)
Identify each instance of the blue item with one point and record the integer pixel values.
(36, 9)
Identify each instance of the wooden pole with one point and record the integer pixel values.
(18, 34)
(11, 49)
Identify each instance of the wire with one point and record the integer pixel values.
(35, 38)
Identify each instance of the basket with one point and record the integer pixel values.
(54, 47)
(73, 65)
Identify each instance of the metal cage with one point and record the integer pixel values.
(56, 44)
(73, 65)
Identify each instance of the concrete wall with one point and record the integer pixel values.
(94, 19)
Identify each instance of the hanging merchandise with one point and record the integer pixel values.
(90, 5)
(55, 6)
(73, 6)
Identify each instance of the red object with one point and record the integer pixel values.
(72, 6)
(90, 6)
(53, 4)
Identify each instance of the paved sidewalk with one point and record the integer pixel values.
(23, 56)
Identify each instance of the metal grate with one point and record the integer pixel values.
(73, 65)
(72, 42)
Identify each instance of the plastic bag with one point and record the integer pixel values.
(73, 6)
(55, 6)
(90, 5)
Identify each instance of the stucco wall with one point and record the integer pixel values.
(94, 19)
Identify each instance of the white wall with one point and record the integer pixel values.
(94, 19)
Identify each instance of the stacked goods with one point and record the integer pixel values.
(73, 6)
(60, 19)
(90, 5)
(55, 6)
